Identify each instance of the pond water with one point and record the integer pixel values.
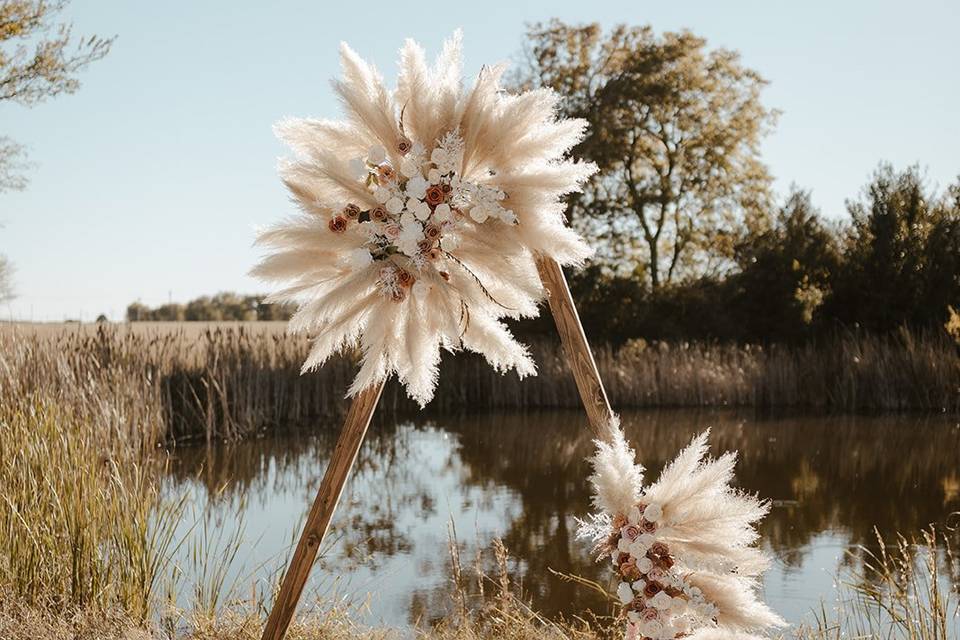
(521, 477)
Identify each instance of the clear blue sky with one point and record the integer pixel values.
(151, 179)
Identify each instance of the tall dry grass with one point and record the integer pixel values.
(905, 591)
(82, 523)
(175, 382)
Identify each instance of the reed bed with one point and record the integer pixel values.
(172, 382)
(82, 523)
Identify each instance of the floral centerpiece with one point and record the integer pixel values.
(421, 218)
(681, 547)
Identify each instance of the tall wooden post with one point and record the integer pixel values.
(576, 347)
(355, 426)
(318, 521)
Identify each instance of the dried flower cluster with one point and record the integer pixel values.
(681, 548)
(422, 216)
(419, 207)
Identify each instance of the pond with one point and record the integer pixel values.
(522, 477)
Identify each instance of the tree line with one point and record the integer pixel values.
(225, 306)
(894, 262)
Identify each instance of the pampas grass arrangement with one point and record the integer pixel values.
(420, 217)
(682, 546)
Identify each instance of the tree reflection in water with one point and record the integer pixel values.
(522, 477)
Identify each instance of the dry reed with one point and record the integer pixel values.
(177, 382)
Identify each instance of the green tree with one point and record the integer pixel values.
(901, 263)
(675, 129)
(784, 274)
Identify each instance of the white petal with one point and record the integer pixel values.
(409, 167)
(478, 213)
(394, 205)
(422, 211)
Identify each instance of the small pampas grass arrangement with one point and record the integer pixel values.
(682, 547)
(421, 215)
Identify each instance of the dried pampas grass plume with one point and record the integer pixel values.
(681, 547)
(420, 217)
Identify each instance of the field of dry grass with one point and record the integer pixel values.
(178, 381)
(190, 330)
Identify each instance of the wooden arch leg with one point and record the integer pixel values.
(318, 521)
(576, 347)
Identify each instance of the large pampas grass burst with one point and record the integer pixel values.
(682, 548)
(421, 216)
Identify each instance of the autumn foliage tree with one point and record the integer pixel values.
(39, 59)
(675, 129)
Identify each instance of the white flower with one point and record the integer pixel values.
(407, 246)
(623, 545)
(677, 605)
(637, 548)
(422, 211)
(662, 601)
(646, 539)
(507, 216)
(358, 168)
(394, 205)
(412, 231)
(668, 631)
(409, 167)
(653, 513)
(433, 176)
(651, 629)
(376, 154)
(449, 243)
(644, 564)
(442, 212)
(407, 219)
(634, 515)
(359, 258)
(438, 156)
(381, 195)
(633, 616)
(417, 187)
(479, 213)
(625, 593)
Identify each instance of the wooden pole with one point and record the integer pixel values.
(344, 455)
(576, 347)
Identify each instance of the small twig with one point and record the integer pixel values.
(479, 282)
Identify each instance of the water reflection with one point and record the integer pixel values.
(522, 477)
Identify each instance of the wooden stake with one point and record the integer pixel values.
(355, 426)
(576, 347)
(344, 454)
